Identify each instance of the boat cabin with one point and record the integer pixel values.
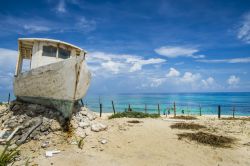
(39, 52)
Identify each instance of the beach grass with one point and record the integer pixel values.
(208, 139)
(134, 121)
(187, 126)
(133, 114)
(239, 118)
(7, 155)
(184, 117)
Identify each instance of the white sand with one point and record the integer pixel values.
(152, 142)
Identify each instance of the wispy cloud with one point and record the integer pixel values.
(178, 51)
(85, 25)
(19, 25)
(106, 63)
(35, 28)
(60, 8)
(233, 60)
(244, 29)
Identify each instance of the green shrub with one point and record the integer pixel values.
(133, 114)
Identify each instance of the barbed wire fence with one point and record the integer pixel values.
(180, 108)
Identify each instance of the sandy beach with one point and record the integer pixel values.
(151, 142)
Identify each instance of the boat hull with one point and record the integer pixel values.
(58, 85)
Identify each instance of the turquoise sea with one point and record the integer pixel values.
(189, 103)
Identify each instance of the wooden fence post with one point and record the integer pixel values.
(82, 103)
(233, 111)
(200, 109)
(219, 111)
(113, 106)
(159, 113)
(9, 99)
(100, 109)
(174, 110)
(145, 108)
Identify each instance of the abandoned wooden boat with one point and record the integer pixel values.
(57, 77)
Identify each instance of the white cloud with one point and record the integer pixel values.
(189, 77)
(188, 81)
(119, 63)
(244, 29)
(114, 67)
(208, 82)
(233, 60)
(173, 73)
(156, 82)
(174, 52)
(233, 80)
(7, 58)
(7, 67)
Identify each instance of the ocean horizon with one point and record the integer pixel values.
(187, 102)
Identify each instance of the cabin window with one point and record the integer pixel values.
(26, 64)
(63, 53)
(49, 51)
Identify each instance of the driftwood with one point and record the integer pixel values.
(26, 135)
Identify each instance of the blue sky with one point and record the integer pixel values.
(140, 46)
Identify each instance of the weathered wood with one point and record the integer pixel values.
(129, 108)
(200, 109)
(9, 99)
(82, 103)
(100, 109)
(113, 106)
(174, 110)
(219, 111)
(233, 111)
(19, 60)
(26, 135)
(51, 81)
(159, 109)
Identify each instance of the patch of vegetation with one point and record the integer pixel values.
(232, 118)
(207, 138)
(7, 155)
(80, 143)
(133, 114)
(134, 121)
(184, 117)
(187, 126)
